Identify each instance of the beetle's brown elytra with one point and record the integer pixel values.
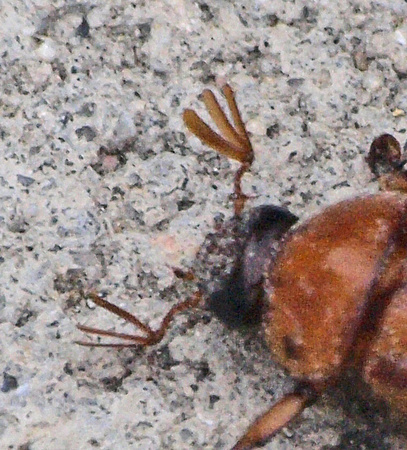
(331, 293)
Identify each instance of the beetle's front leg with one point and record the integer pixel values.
(151, 337)
(233, 141)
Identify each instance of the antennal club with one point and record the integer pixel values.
(233, 140)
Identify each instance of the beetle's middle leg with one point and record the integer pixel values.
(233, 140)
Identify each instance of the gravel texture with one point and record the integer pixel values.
(103, 189)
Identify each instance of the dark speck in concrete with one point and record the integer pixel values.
(25, 181)
(9, 383)
(86, 132)
(83, 29)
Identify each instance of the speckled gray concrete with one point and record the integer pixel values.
(102, 188)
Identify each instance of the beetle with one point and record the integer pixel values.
(331, 292)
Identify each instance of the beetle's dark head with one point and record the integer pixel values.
(239, 302)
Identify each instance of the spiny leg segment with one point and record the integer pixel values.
(233, 141)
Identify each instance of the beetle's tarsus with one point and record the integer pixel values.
(233, 141)
(152, 336)
(273, 420)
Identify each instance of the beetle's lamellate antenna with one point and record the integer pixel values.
(233, 141)
(151, 337)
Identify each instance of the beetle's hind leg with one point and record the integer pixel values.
(277, 417)
(151, 337)
(233, 140)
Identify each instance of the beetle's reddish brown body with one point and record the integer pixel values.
(335, 287)
(324, 283)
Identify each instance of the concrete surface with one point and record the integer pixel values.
(103, 189)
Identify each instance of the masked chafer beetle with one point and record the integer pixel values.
(331, 292)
